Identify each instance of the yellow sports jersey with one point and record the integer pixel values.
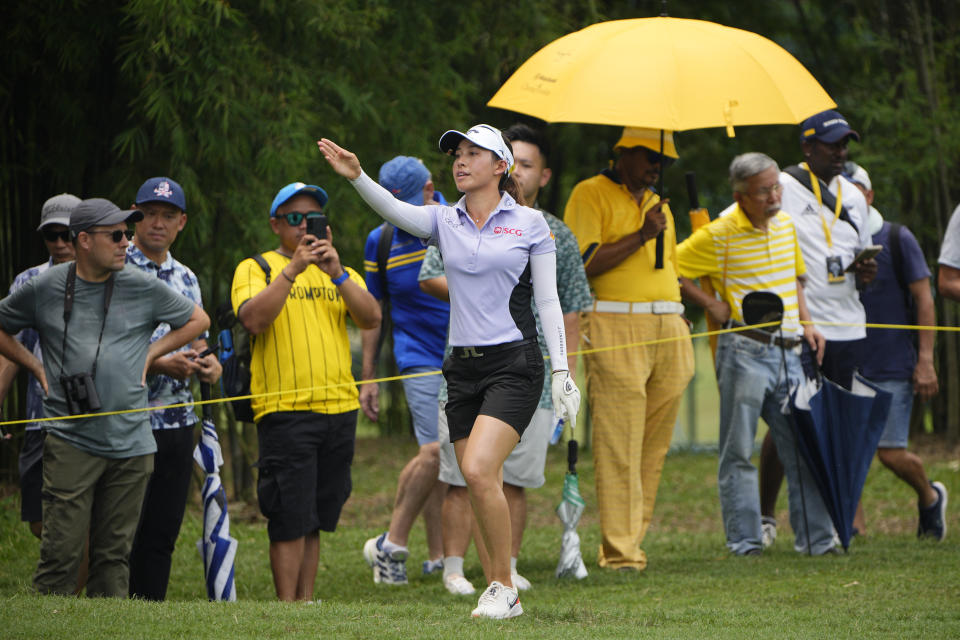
(306, 349)
(601, 211)
(739, 258)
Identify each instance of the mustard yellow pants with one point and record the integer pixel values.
(634, 396)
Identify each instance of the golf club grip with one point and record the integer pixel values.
(658, 263)
(692, 190)
(572, 456)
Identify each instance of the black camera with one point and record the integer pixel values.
(317, 226)
(81, 393)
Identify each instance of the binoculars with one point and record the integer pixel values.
(81, 393)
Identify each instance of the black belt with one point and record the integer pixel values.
(479, 352)
(769, 338)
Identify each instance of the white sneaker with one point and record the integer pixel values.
(768, 527)
(519, 582)
(498, 602)
(388, 568)
(458, 585)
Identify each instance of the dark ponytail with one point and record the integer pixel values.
(508, 183)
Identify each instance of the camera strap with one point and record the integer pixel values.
(68, 296)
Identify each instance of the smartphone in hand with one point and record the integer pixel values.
(866, 253)
(317, 226)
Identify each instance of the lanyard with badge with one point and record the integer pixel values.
(835, 273)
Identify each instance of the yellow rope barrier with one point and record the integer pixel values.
(704, 334)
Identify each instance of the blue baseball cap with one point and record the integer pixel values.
(162, 189)
(827, 126)
(296, 188)
(405, 177)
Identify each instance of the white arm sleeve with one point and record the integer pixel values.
(543, 271)
(412, 219)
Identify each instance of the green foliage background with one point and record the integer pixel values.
(229, 97)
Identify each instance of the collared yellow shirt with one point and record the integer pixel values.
(601, 211)
(305, 347)
(739, 258)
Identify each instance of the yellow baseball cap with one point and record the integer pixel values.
(649, 138)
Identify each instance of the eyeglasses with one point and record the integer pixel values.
(655, 158)
(294, 218)
(766, 192)
(52, 236)
(118, 235)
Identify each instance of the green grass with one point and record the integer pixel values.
(890, 585)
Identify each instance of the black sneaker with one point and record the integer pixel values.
(932, 521)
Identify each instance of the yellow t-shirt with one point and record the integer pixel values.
(305, 347)
(601, 211)
(739, 258)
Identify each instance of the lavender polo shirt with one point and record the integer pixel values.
(488, 270)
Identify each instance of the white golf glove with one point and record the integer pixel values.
(566, 397)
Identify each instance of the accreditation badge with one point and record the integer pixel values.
(835, 274)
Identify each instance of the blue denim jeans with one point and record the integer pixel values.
(752, 385)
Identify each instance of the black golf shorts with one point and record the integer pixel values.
(502, 381)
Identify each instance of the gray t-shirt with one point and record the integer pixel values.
(138, 305)
(950, 251)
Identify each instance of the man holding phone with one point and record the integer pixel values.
(305, 398)
(830, 215)
(162, 202)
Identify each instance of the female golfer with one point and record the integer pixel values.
(494, 249)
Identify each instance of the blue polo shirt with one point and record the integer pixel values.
(419, 320)
(488, 270)
(889, 353)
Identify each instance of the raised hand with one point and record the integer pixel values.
(342, 161)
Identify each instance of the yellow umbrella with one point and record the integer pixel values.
(663, 73)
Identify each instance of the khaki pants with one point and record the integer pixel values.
(86, 493)
(634, 397)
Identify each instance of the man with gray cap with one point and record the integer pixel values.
(830, 215)
(54, 227)
(94, 319)
(162, 202)
(392, 260)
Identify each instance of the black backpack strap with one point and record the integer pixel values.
(896, 258)
(260, 260)
(383, 254)
(829, 200)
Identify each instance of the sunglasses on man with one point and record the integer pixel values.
(294, 218)
(118, 235)
(655, 158)
(51, 235)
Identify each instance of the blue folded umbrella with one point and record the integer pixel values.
(216, 546)
(837, 435)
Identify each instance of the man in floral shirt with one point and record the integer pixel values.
(163, 205)
(524, 467)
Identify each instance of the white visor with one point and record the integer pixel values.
(482, 135)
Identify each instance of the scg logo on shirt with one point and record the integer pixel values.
(509, 231)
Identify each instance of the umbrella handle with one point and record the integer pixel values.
(658, 251)
(692, 190)
(572, 456)
(205, 395)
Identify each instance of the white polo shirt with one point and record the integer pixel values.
(829, 302)
(488, 270)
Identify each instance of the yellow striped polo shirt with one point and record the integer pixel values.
(739, 258)
(305, 347)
